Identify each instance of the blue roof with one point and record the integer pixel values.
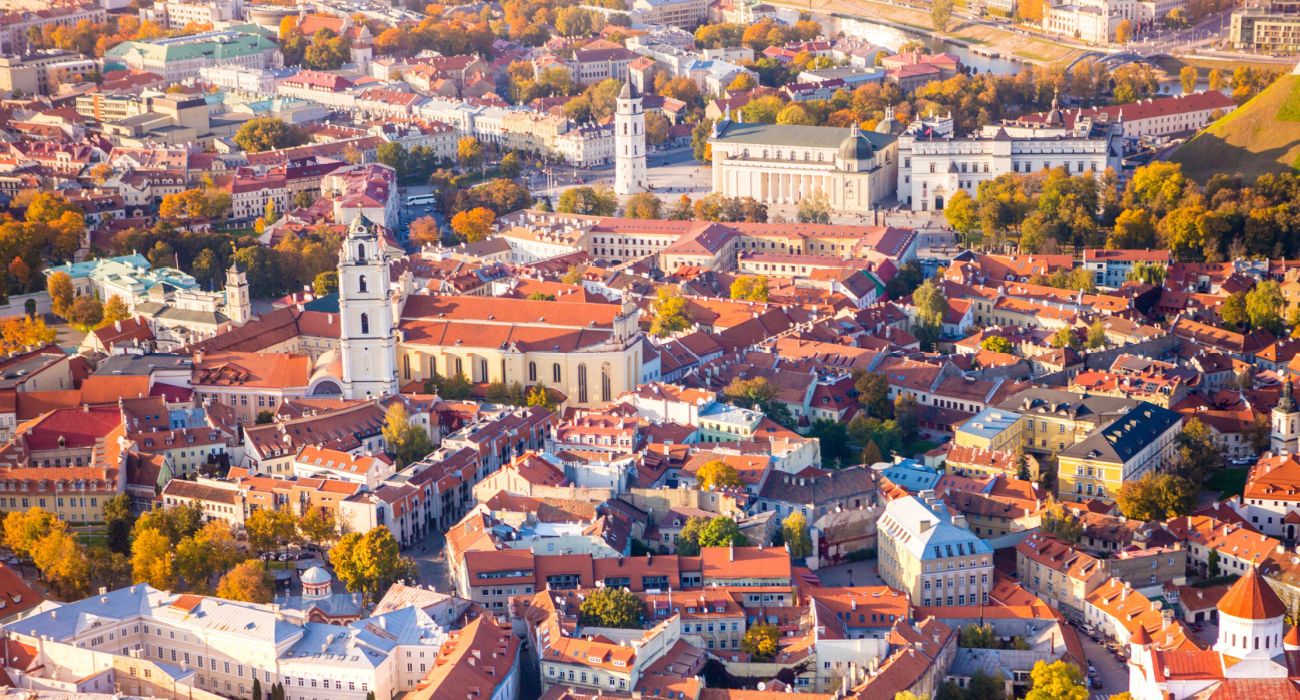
(912, 475)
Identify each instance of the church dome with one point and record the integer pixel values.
(315, 576)
(856, 146)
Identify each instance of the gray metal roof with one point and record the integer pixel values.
(796, 136)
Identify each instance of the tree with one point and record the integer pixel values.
(369, 563)
(760, 641)
(151, 560)
(19, 332)
(657, 127)
(59, 285)
(1059, 522)
(1264, 305)
(510, 165)
(873, 393)
(1064, 337)
(1216, 80)
(63, 562)
(174, 523)
(268, 133)
(1212, 563)
(722, 532)
(688, 540)
(611, 607)
(597, 201)
(325, 283)
(982, 686)
(670, 313)
(327, 51)
(316, 525)
(794, 530)
(20, 274)
(1096, 335)
(264, 417)
(1187, 77)
(424, 231)
(1135, 228)
(257, 689)
(1196, 453)
(643, 205)
(749, 288)
(1123, 31)
(961, 213)
(86, 312)
(118, 520)
(205, 203)
(996, 343)
(941, 14)
(931, 306)
(794, 114)
(716, 475)
(249, 581)
(474, 224)
(23, 529)
(115, 310)
(1233, 311)
(907, 414)
(539, 396)
(469, 152)
(269, 529)
(1059, 680)
(815, 209)
(700, 146)
(206, 553)
(406, 441)
(1156, 496)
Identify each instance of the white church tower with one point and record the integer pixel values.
(629, 143)
(366, 336)
(238, 304)
(1286, 423)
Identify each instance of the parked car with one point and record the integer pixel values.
(1096, 683)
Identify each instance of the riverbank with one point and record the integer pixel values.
(989, 39)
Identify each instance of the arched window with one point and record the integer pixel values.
(460, 370)
(361, 252)
(555, 373)
(365, 324)
(582, 384)
(406, 366)
(604, 383)
(361, 283)
(532, 371)
(433, 366)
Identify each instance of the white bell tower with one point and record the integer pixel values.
(629, 143)
(367, 338)
(1286, 423)
(238, 305)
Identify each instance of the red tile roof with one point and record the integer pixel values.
(1250, 598)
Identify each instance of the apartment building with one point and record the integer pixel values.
(1125, 449)
(930, 555)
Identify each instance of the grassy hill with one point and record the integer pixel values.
(1261, 136)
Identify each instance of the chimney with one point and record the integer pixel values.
(731, 552)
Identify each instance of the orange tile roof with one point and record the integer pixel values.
(744, 562)
(1251, 598)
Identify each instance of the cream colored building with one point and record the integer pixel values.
(929, 553)
(783, 164)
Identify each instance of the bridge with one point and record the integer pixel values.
(1114, 60)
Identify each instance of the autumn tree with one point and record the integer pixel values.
(721, 532)
(174, 523)
(23, 529)
(814, 209)
(152, 560)
(717, 475)
(268, 133)
(269, 529)
(406, 441)
(1123, 31)
(873, 393)
(760, 641)
(20, 332)
(63, 562)
(327, 51)
(1264, 304)
(469, 152)
(249, 581)
(1059, 522)
(670, 313)
(611, 607)
(941, 14)
(197, 203)
(208, 552)
(59, 286)
(317, 525)
(1187, 78)
(115, 310)
(996, 343)
(931, 306)
(1059, 680)
(794, 530)
(473, 225)
(325, 283)
(596, 201)
(1156, 496)
(749, 288)
(424, 231)
(643, 205)
(370, 563)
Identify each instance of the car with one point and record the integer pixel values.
(1092, 670)
(1096, 683)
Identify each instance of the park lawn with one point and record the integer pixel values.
(918, 447)
(1228, 482)
(92, 539)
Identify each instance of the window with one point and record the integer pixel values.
(582, 384)
(532, 371)
(361, 283)
(555, 373)
(605, 390)
(365, 324)
(361, 252)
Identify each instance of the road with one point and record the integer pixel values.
(430, 562)
(1113, 672)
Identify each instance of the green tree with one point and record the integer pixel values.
(1196, 455)
(268, 133)
(1212, 563)
(930, 309)
(207, 553)
(907, 415)
(996, 343)
(688, 540)
(327, 51)
(1233, 311)
(406, 441)
(1096, 335)
(794, 530)
(749, 288)
(175, 523)
(760, 641)
(1059, 680)
(248, 581)
(596, 201)
(1264, 304)
(118, 521)
(325, 283)
(722, 532)
(1065, 337)
(717, 475)
(611, 607)
(317, 525)
(982, 686)
(369, 563)
(978, 637)
(815, 209)
(873, 393)
(670, 313)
